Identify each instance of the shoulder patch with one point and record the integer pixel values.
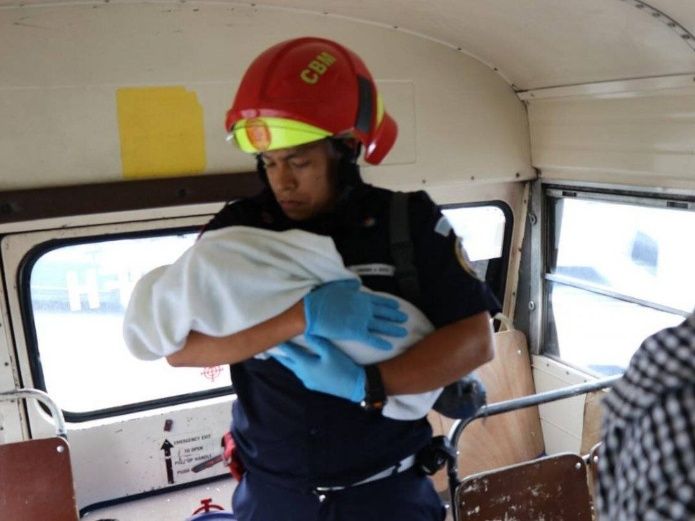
(443, 227)
(462, 257)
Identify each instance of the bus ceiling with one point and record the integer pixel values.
(537, 44)
(533, 44)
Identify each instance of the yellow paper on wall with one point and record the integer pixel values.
(162, 132)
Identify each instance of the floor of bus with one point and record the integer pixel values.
(169, 506)
(178, 505)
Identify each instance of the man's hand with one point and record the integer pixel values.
(327, 369)
(340, 311)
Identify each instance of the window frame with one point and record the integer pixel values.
(543, 237)
(26, 266)
(500, 281)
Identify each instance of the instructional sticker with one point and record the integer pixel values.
(183, 452)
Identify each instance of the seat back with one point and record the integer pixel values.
(518, 433)
(36, 481)
(553, 488)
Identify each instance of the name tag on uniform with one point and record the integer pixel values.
(379, 270)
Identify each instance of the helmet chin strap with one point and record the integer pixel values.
(260, 169)
(348, 151)
(347, 147)
(348, 171)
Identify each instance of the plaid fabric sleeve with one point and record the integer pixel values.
(647, 460)
(662, 466)
(651, 475)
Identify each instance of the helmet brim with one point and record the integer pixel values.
(263, 134)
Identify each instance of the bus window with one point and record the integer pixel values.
(77, 294)
(485, 232)
(617, 271)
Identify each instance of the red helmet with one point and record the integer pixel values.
(307, 89)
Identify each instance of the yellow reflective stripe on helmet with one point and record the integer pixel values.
(267, 133)
(379, 108)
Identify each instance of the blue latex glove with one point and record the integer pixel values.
(325, 369)
(340, 311)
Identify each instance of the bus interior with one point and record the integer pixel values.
(557, 137)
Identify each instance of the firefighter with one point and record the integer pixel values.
(308, 429)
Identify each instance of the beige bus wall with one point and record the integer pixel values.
(639, 133)
(63, 67)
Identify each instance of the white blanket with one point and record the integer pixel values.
(237, 277)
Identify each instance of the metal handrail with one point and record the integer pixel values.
(512, 405)
(42, 397)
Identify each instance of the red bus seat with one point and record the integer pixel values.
(553, 488)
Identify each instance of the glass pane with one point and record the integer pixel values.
(78, 295)
(481, 229)
(646, 253)
(601, 333)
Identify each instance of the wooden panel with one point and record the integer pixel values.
(24, 205)
(552, 488)
(593, 417)
(507, 438)
(36, 481)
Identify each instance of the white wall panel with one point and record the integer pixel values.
(643, 135)
(562, 421)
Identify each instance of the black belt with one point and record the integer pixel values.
(401, 466)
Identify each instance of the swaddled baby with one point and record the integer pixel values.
(234, 278)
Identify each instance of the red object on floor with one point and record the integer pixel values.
(207, 505)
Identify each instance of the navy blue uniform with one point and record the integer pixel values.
(292, 440)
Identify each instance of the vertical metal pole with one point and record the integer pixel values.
(536, 217)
